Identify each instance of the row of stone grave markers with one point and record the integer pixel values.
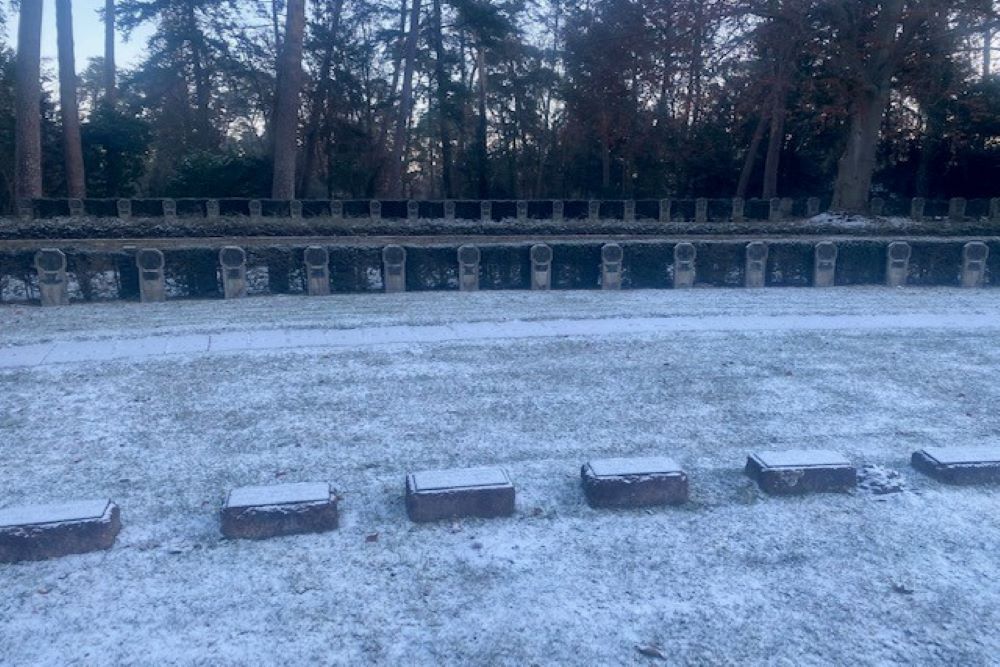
(778, 209)
(50, 264)
(256, 512)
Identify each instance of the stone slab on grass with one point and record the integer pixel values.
(801, 471)
(39, 532)
(634, 482)
(258, 512)
(960, 465)
(447, 494)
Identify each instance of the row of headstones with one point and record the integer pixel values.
(54, 285)
(778, 209)
(39, 532)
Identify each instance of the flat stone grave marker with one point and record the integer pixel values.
(960, 465)
(801, 471)
(258, 512)
(634, 482)
(39, 532)
(472, 492)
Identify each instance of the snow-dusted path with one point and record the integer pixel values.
(358, 390)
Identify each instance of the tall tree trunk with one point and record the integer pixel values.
(286, 104)
(482, 149)
(399, 141)
(110, 68)
(751, 159)
(776, 139)
(857, 164)
(443, 84)
(28, 94)
(76, 186)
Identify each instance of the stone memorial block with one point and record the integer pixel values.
(49, 531)
(628, 211)
(593, 210)
(701, 210)
(774, 210)
(317, 267)
(234, 272)
(739, 208)
(53, 284)
(468, 268)
(685, 255)
(995, 209)
(449, 210)
(76, 207)
(876, 206)
(787, 205)
(394, 268)
(825, 264)
(336, 209)
(449, 494)
(152, 282)
(258, 512)
(635, 482)
(256, 209)
(212, 209)
(611, 266)
(801, 471)
(486, 211)
(124, 208)
(558, 210)
(375, 210)
(169, 209)
(295, 209)
(541, 267)
(522, 210)
(897, 267)
(25, 209)
(812, 207)
(666, 210)
(917, 206)
(756, 270)
(974, 256)
(956, 209)
(412, 210)
(960, 465)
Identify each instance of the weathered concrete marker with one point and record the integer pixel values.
(897, 266)
(468, 268)
(152, 282)
(960, 465)
(375, 209)
(611, 266)
(394, 268)
(774, 209)
(336, 209)
(257, 512)
(234, 272)
(974, 256)
(876, 206)
(53, 284)
(541, 267)
(256, 208)
(124, 207)
(666, 206)
(75, 207)
(812, 207)
(956, 209)
(522, 210)
(49, 531)
(558, 210)
(825, 264)
(756, 264)
(212, 209)
(447, 494)
(801, 471)
(628, 211)
(412, 210)
(593, 210)
(636, 482)
(317, 266)
(295, 209)
(486, 211)
(169, 209)
(685, 255)
(449, 210)
(917, 207)
(701, 210)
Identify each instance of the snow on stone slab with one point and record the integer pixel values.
(467, 478)
(964, 455)
(650, 465)
(279, 494)
(37, 515)
(801, 458)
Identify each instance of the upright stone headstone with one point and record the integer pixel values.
(897, 266)
(124, 209)
(39, 532)
(76, 207)
(152, 282)
(611, 266)
(787, 206)
(666, 210)
(375, 209)
(956, 209)
(451, 494)
(336, 209)
(974, 256)
(234, 272)
(25, 209)
(258, 512)
(317, 266)
(825, 264)
(449, 210)
(169, 209)
(739, 207)
(541, 267)
(877, 206)
(756, 269)
(628, 214)
(468, 268)
(412, 210)
(53, 284)
(685, 255)
(593, 210)
(917, 205)
(774, 210)
(394, 268)
(558, 210)
(522, 210)
(812, 207)
(701, 210)
(486, 211)
(212, 209)
(295, 209)
(256, 209)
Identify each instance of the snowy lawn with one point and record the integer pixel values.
(358, 390)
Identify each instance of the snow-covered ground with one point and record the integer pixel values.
(165, 407)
